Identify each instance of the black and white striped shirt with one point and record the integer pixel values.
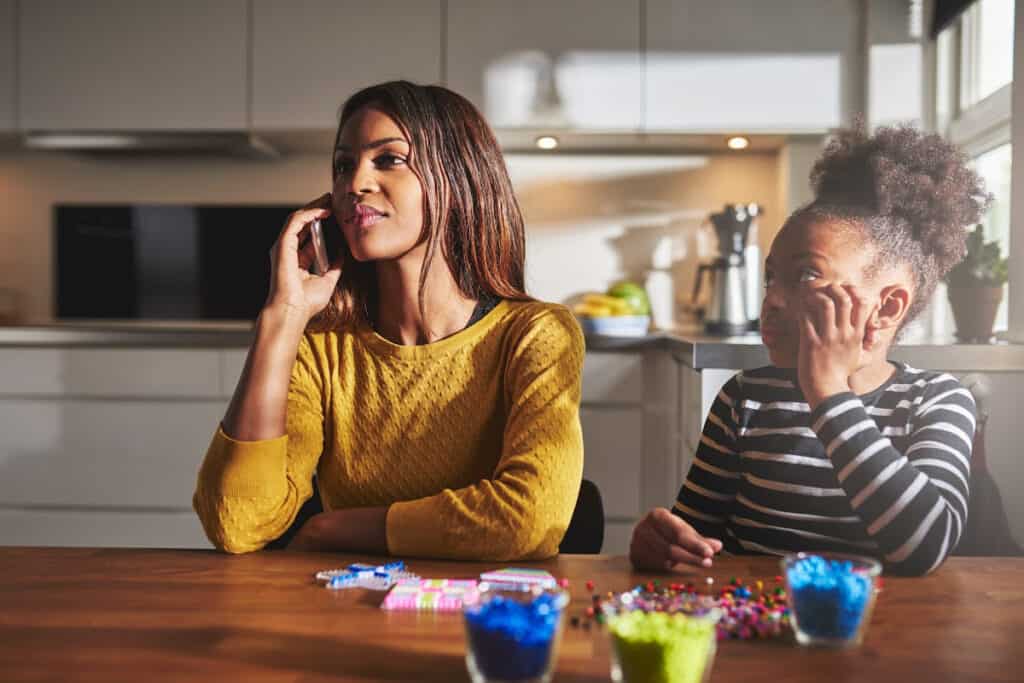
(883, 474)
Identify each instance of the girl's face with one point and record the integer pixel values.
(807, 254)
(378, 199)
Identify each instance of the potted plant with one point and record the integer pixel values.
(975, 288)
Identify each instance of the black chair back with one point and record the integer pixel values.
(585, 534)
(987, 532)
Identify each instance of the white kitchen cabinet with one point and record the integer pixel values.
(631, 435)
(103, 453)
(748, 65)
(125, 65)
(613, 445)
(101, 446)
(8, 54)
(308, 57)
(102, 528)
(613, 377)
(110, 372)
(546, 63)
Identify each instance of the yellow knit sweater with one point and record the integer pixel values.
(473, 441)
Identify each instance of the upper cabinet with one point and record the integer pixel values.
(548, 63)
(7, 61)
(308, 57)
(749, 65)
(128, 65)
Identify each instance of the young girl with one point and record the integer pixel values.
(436, 402)
(833, 447)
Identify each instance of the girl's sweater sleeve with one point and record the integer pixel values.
(249, 492)
(523, 510)
(914, 503)
(705, 499)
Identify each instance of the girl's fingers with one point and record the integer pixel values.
(858, 307)
(677, 532)
(843, 307)
(677, 555)
(820, 311)
(648, 549)
(808, 332)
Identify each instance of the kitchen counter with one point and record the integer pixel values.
(688, 345)
(697, 350)
(102, 334)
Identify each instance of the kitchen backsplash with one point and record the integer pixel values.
(590, 219)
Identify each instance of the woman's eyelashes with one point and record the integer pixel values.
(343, 165)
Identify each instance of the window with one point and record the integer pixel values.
(986, 50)
(994, 167)
(973, 68)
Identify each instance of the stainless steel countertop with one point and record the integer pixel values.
(697, 350)
(687, 345)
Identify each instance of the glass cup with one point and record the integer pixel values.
(659, 646)
(512, 634)
(830, 597)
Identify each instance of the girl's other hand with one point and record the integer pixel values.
(832, 326)
(662, 541)
(292, 286)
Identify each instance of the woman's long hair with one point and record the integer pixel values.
(470, 213)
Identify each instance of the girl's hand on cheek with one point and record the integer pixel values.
(832, 324)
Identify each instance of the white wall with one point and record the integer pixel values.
(584, 218)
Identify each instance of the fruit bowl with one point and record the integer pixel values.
(616, 325)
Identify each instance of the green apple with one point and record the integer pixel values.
(633, 294)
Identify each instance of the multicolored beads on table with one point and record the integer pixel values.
(744, 612)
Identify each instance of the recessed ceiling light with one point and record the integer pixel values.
(547, 142)
(738, 142)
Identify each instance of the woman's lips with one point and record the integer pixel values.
(364, 216)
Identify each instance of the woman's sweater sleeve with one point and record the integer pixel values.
(913, 504)
(706, 497)
(249, 492)
(523, 510)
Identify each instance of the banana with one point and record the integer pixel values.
(617, 305)
(593, 310)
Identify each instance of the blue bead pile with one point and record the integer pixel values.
(512, 640)
(828, 597)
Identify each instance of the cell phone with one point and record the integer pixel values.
(320, 261)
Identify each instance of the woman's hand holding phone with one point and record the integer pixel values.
(292, 286)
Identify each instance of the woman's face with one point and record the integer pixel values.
(806, 255)
(378, 200)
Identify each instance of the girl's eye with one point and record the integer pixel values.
(808, 276)
(768, 278)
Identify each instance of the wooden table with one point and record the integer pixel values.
(153, 615)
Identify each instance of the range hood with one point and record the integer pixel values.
(234, 144)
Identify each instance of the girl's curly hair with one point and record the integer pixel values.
(912, 194)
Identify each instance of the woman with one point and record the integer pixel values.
(436, 402)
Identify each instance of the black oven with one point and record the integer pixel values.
(164, 262)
